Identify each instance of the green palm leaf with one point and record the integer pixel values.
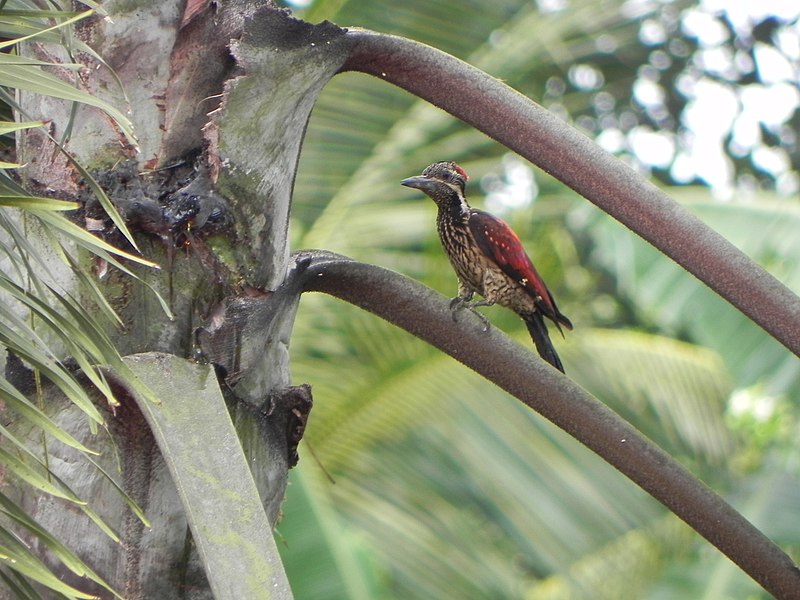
(39, 321)
(453, 488)
(674, 301)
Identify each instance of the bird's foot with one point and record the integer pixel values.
(456, 304)
(459, 303)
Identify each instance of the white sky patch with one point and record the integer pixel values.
(746, 134)
(785, 10)
(718, 60)
(713, 166)
(712, 109)
(705, 27)
(654, 148)
(585, 77)
(772, 160)
(750, 402)
(611, 140)
(551, 6)
(652, 32)
(773, 67)
(789, 42)
(682, 170)
(515, 188)
(715, 109)
(709, 115)
(772, 105)
(648, 93)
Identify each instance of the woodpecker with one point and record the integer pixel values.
(488, 258)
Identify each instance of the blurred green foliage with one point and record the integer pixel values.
(446, 487)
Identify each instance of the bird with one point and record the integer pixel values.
(488, 258)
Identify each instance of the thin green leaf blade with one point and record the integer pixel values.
(38, 203)
(15, 556)
(7, 127)
(31, 475)
(34, 80)
(59, 550)
(16, 401)
(85, 239)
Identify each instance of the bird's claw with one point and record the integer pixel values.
(458, 303)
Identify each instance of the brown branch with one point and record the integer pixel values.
(520, 124)
(426, 314)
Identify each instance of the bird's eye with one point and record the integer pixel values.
(455, 177)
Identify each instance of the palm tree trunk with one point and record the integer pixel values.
(233, 173)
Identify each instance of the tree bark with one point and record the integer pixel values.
(232, 172)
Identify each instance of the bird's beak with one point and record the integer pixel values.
(420, 182)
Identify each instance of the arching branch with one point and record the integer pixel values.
(520, 124)
(426, 314)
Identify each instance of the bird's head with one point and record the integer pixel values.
(442, 181)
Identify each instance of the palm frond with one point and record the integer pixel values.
(453, 488)
(41, 321)
(626, 567)
(437, 460)
(668, 298)
(675, 391)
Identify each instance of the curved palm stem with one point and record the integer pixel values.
(520, 124)
(426, 314)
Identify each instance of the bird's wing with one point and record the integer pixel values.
(499, 242)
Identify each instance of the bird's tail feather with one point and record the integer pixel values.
(541, 339)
